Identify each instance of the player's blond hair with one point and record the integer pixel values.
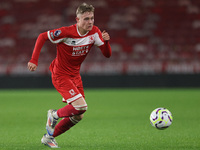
(84, 7)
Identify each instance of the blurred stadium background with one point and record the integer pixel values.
(155, 43)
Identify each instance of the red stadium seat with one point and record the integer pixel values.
(167, 30)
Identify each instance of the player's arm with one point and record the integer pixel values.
(105, 48)
(33, 63)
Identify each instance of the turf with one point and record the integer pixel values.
(117, 119)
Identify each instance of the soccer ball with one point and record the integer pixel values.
(161, 118)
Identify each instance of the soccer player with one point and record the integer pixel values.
(73, 44)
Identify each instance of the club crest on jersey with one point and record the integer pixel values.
(57, 33)
(91, 39)
(72, 92)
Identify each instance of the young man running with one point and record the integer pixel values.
(73, 44)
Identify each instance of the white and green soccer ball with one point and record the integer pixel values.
(161, 118)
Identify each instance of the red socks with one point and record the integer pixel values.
(64, 125)
(67, 111)
(68, 120)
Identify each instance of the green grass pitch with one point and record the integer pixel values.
(116, 119)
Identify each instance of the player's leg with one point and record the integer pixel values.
(69, 120)
(65, 124)
(76, 107)
(73, 94)
(79, 103)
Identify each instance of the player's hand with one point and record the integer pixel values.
(32, 66)
(106, 36)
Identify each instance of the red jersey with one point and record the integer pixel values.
(72, 48)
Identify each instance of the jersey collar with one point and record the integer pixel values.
(79, 32)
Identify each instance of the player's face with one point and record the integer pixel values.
(85, 22)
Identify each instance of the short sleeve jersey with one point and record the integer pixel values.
(72, 48)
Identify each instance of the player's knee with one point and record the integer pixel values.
(81, 109)
(78, 117)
